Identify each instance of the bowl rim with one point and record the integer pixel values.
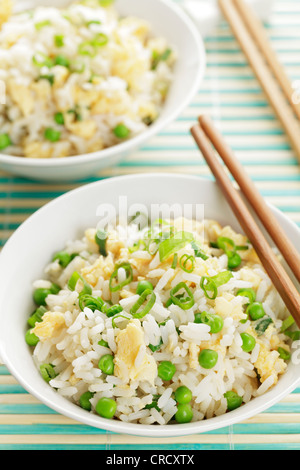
(151, 431)
(199, 51)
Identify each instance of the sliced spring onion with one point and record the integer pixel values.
(106, 3)
(74, 280)
(59, 40)
(37, 316)
(211, 284)
(175, 261)
(157, 58)
(157, 347)
(114, 287)
(42, 24)
(90, 47)
(187, 263)
(169, 246)
(137, 311)
(42, 60)
(222, 278)
(62, 60)
(287, 323)
(113, 322)
(93, 303)
(199, 253)
(208, 285)
(114, 310)
(226, 244)
(63, 258)
(183, 302)
(100, 239)
(50, 77)
(93, 22)
(294, 335)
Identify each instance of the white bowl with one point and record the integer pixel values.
(28, 251)
(168, 20)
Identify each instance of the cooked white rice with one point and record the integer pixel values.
(69, 338)
(72, 76)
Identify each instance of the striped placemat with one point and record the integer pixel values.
(232, 96)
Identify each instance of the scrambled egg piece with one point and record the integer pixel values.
(247, 274)
(22, 96)
(194, 351)
(113, 243)
(5, 10)
(226, 308)
(269, 364)
(37, 150)
(129, 342)
(103, 267)
(50, 326)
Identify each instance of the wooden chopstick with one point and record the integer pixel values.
(263, 73)
(258, 32)
(269, 260)
(257, 202)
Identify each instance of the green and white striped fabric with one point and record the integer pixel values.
(232, 96)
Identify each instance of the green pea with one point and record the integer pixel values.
(183, 395)
(256, 311)
(84, 401)
(106, 364)
(47, 372)
(106, 407)
(30, 338)
(249, 342)
(234, 401)
(59, 118)
(184, 413)
(40, 295)
(284, 354)
(121, 131)
(208, 358)
(52, 134)
(142, 286)
(215, 322)
(250, 293)
(234, 261)
(166, 370)
(103, 343)
(4, 141)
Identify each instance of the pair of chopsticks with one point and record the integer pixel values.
(210, 141)
(254, 42)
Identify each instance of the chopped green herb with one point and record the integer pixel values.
(262, 325)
